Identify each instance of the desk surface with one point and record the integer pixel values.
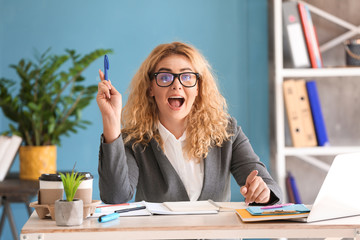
(222, 225)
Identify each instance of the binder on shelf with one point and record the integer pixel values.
(294, 189)
(293, 113)
(305, 114)
(295, 48)
(319, 123)
(289, 191)
(310, 36)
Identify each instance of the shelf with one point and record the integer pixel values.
(321, 72)
(310, 155)
(320, 151)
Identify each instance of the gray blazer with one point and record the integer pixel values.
(147, 171)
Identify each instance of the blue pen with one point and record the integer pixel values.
(109, 217)
(130, 209)
(106, 67)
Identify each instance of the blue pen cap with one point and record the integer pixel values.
(107, 218)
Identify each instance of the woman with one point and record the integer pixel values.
(177, 141)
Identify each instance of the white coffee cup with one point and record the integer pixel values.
(84, 192)
(51, 188)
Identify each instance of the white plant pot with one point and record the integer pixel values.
(69, 213)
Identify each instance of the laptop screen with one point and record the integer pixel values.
(340, 192)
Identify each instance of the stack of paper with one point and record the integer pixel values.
(252, 214)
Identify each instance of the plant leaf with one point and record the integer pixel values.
(48, 88)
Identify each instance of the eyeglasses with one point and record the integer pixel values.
(187, 79)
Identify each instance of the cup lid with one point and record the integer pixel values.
(50, 177)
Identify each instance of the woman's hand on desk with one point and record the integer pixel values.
(109, 101)
(255, 189)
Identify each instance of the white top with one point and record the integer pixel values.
(190, 172)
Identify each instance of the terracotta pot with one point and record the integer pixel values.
(69, 213)
(36, 160)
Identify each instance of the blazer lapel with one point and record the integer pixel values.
(211, 174)
(169, 173)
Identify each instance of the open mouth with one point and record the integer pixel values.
(176, 101)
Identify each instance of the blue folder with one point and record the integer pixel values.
(319, 123)
(299, 208)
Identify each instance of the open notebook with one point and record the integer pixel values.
(166, 208)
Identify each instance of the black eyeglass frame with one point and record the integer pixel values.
(177, 75)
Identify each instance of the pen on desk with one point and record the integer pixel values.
(116, 214)
(106, 67)
(109, 217)
(130, 209)
(277, 206)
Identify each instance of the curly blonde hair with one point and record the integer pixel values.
(207, 121)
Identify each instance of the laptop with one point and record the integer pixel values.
(340, 192)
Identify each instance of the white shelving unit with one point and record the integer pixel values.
(280, 73)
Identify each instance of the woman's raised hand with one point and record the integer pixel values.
(109, 101)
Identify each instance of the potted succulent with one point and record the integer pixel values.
(48, 105)
(69, 212)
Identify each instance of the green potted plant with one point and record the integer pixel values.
(69, 212)
(48, 104)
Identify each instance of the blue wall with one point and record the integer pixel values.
(231, 34)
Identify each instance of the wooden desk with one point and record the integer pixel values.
(14, 190)
(222, 225)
